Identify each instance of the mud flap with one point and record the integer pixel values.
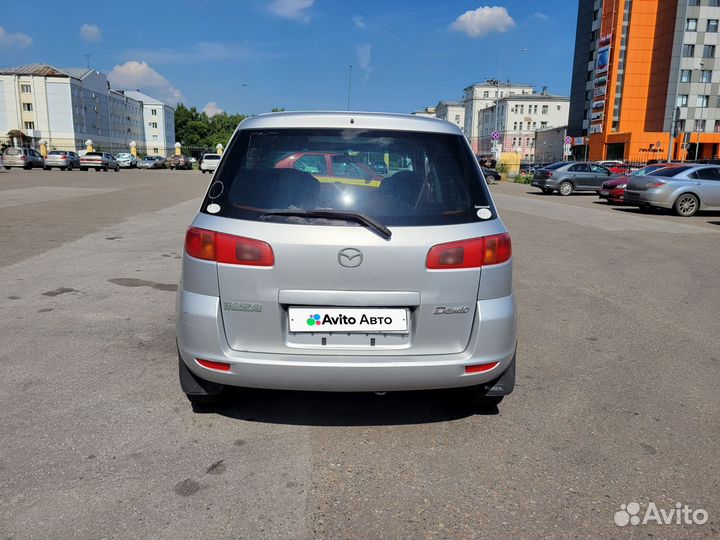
(504, 384)
(193, 385)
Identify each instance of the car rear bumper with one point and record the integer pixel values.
(200, 335)
(651, 197)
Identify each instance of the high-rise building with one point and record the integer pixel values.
(645, 70)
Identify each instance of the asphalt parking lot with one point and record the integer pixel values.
(616, 400)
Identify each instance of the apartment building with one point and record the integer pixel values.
(478, 97)
(452, 111)
(519, 117)
(159, 124)
(67, 106)
(645, 83)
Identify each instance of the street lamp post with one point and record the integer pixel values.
(705, 106)
(497, 93)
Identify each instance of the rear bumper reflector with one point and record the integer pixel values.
(218, 366)
(480, 368)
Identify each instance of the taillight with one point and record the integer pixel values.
(228, 249)
(219, 366)
(655, 184)
(548, 175)
(24, 158)
(472, 253)
(480, 368)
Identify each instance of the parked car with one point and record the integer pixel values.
(613, 191)
(684, 188)
(126, 160)
(209, 162)
(63, 160)
(491, 175)
(567, 177)
(27, 158)
(100, 161)
(2, 161)
(331, 167)
(179, 162)
(380, 167)
(151, 162)
(293, 283)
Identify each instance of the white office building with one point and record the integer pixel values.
(480, 96)
(158, 123)
(67, 106)
(451, 111)
(519, 118)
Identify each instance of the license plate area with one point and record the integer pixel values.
(337, 331)
(348, 320)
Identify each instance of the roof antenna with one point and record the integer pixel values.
(349, 86)
(87, 57)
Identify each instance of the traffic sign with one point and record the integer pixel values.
(495, 136)
(568, 140)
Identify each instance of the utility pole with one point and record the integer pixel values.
(497, 91)
(87, 57)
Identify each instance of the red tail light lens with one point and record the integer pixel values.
(228, 249)
(655, 184)
(480, 368)
(472, 253)
(219, 366)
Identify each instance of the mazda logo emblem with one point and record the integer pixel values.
(350, 257)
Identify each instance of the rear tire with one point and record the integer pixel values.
(105, 168)
(686, 205)
(46, 168)
(565, 189)
(69, 167)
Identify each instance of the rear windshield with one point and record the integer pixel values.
(647, 170)
(670, 171)
(13, 152)
(57, 153)
(556, 165)
(429, 178)
(95, 154)
(211, 156)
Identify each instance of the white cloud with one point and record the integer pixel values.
(136, 75)
(91, 33)
(211, 109)
(483, 20)
(14, 41)
(201, 53)
(364, 55)
(291, 9)
(358, 22)
(539, 16)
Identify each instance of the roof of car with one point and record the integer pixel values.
(349, 119)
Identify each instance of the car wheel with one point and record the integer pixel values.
(63, 168)
(565, 189)
(27, 167)
(117, 168)
(686, 205)
(105, 168)
(70, 167)
(46, 168)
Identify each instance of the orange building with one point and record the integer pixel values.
(642, 68)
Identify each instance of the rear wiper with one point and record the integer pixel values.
(369, 222)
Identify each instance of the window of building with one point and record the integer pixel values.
(155, 138)
(457, 118)
(691, 25)
(685, 75)
(25, 88)
(544, 109)
(699, 125)
(688, 51)
(596, 14)
(709, 51)
(681, 125)
(702, 101)
(717, 126)
(514, 126)
(534, 125)
(27, 107)
(486, 94)
(682, 100)
(714, 3)
(522, 109)
(712, 25)
(706, 76)
(153, 125)
(153, 112)
(543, 124)
(29, 125)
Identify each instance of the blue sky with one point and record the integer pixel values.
(248, 56)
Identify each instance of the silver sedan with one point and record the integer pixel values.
(685, 188)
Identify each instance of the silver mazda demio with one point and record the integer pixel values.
(344, 251)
